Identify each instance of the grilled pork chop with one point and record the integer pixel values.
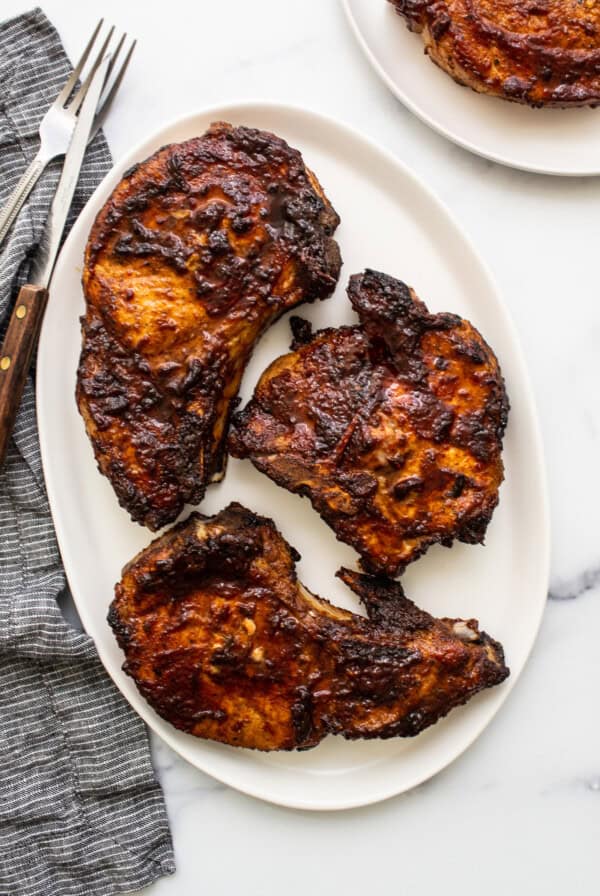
(539, 52)
(224, 642)
(197, 251)
(393, 429)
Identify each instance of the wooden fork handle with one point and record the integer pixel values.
(16, 354)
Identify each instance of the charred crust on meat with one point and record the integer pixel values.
(225, 643)
(196, 252)
(539, 54)
(393, 428)
(301, 331)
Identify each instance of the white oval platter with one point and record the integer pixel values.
(392, 222)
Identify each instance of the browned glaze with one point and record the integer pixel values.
(393, 429)
(539, 52)
(197, 251)
(225, 643)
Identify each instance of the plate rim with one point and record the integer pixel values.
(406, 101)
(46, 359)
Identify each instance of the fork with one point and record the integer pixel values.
(58, 124)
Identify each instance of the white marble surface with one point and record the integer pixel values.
(520, 811)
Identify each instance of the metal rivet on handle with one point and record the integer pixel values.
(5, 363)
(21, 312)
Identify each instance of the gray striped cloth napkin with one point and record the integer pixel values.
(81, 811)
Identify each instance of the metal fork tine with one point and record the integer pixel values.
(113, 59)
(65, 93)
(57, 125)
(77, 100)
(105, 103)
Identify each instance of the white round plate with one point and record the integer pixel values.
(548, 141)
(390, 221)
